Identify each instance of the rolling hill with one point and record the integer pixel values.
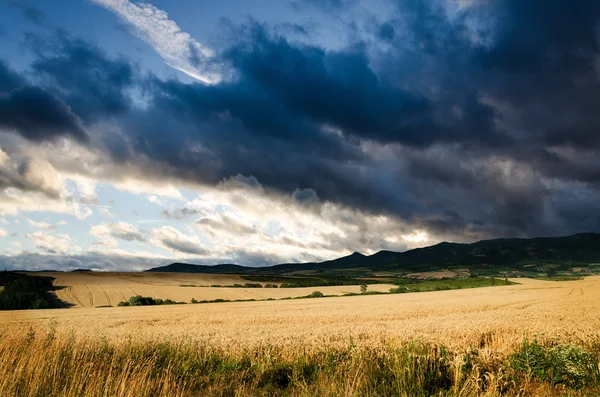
(510, 253)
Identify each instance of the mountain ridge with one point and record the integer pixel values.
(501, 252)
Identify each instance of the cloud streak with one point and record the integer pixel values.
(179, 50)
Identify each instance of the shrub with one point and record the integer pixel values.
(315, 294)
(252, 285)
(24, 292)
(565, 364)
(139, 300)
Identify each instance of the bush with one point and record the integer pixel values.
(139, 300)
(271, 285)
(24, 292)
(565, 364)
(315, 294)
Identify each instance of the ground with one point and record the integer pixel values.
(455, 318)
(89, 289)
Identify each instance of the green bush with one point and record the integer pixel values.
(139, 300)
(315, 294)
(253, 285)
(24, 292)
(564, 364)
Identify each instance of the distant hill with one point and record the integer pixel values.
(498, 253)
(187, 268)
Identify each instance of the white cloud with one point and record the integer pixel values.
(156, 200)
(58, 244)
(179, 50)
(108, 232)
(31, 183)
(106, 212)
(41, 225)
(171, 239)
(3, 232)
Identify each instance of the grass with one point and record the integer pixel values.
(444, 344)
(49, 365)
(411, 285)
(330, 280)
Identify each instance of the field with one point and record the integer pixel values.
(87, 289)
(485, 325)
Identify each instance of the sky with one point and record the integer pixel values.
(138, 133)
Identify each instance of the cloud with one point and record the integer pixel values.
(30, 12)
(182, 213)
(173, 240)
(3, 232)
(179, 50)
(461, 121)
(99, 261)
(38, 115)
(119, 230)
(93, 85)
(41, 225)
(9, 80)
(29, 174)
(58, 244)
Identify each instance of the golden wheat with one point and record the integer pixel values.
(455, 318)
(87, 289)
(354, 343)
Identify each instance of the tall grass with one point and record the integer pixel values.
(61, 365)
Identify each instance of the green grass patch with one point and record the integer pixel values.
(412, 285)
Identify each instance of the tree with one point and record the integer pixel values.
(363, 288)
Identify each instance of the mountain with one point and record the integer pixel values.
(506, 253)
(187, 268)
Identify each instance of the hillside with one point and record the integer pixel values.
(550, 254)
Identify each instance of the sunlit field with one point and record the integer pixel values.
(88, 289)
(462, 342)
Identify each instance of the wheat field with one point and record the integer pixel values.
(91, 289)
(444, 343)
(455, 318)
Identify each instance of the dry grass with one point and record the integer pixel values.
(234, 346)
(87, 289)
(455, 318)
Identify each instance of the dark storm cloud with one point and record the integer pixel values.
(9, 80)
(467, 123)
(91, 83)
(34, 112)
(38, 115)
